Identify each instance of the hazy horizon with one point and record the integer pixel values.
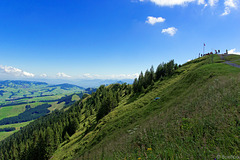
(86, 83)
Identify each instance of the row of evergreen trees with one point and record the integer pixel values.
(7, 129)
(28, 115)
(111, 98)
(163, 70)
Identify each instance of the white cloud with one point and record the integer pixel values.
(171, 31)
(9, 70)
(229, 4)
(201, 2)
(43, 75)
(63, 75)
(171, 2)
(226, 11)
(212, 2)
(119, 76)
(153, 20)
(233, 51)
(88, 76)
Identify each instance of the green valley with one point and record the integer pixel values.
(19, 100)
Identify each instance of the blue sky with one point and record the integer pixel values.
(111, 39)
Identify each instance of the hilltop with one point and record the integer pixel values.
(176, 112)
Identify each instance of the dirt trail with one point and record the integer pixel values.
(232, 64)
(229, 62)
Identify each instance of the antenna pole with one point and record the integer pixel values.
(203, 48)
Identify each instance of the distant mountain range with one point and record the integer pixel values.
(81, 84)
(94, 83)
(20, 83)
(66, 86)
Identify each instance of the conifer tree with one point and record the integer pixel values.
(66, 137)
(146, 80)
(49, 140)
(152, 74)
(159, 72)
(135, 85)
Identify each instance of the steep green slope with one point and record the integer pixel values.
(196, 117)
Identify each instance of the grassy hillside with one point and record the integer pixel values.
(197, 117)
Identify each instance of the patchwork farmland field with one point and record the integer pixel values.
(21, 102)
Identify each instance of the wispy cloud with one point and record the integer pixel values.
(231, 3)
(226, 11)
(233, 51)
(228, 5)
(171, 2)
(201, 2)
(43, 75)
(153, 20)
(113, 76)
(12, 71)
(212, 2)
(62, 75)
(171, 31)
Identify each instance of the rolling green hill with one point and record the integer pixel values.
(196, 116)
(18, 92)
